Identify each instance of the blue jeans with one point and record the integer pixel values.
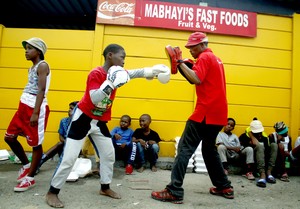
(150, 154)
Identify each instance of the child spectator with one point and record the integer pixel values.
(281, 137)
(122, 141)
(229, 148)
(147, 143)
(62, 131)
(264, 150)
(31, 118)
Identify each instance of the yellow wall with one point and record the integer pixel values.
(262, 75)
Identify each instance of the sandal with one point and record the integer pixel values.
(261, 183)
(271, 179)
(285, 177)
(166, 196)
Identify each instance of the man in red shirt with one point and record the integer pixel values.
(208, 118)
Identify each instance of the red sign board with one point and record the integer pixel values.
(177, 16)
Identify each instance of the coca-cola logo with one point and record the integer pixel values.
(111, 11)
(120, 12)
(123, 7)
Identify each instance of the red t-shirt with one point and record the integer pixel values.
(211, 93)
(102, 111)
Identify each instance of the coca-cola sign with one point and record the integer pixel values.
(116, 12)
(167, 15)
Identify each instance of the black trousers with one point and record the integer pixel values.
(193, 134)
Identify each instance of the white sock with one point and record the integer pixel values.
(27, 166)
(30, 178)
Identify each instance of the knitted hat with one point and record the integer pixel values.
(281, 128)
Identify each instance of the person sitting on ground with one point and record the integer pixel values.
(147, 143)
(281, 137)
(264, 150)
(295, 153)
(122, 141)
(62, 134)
(229, 148)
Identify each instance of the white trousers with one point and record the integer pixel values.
(78, 131)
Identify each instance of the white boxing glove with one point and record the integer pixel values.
(162, 72)
(117, 76)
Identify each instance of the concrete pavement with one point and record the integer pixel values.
(135, 190)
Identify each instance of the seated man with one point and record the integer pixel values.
(147, 143)
(295, 153)
(264, 150)
(121, 138)
(281, 137)
(229, 147)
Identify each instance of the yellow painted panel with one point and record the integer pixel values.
(1, 33)
(55, 39)
(63, 80)
(257, 76)
(243, 114)
(275, 22)
(168, 131)
(228, 53)
(6, 115)
(295, 99)
(142, 88)
(57, 100)
(260, 57)
(76, 80)
(50, 140)
(281, 40)
(10, 98)
(147, 49)
(13, 77)
(57, 59)
(158, 109)
(258, 96)
(265, 37)
(14, 57)
(167, 149)
(98, 44)
(75, 60)
(54, 120)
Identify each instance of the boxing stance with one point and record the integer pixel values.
(91, 115)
